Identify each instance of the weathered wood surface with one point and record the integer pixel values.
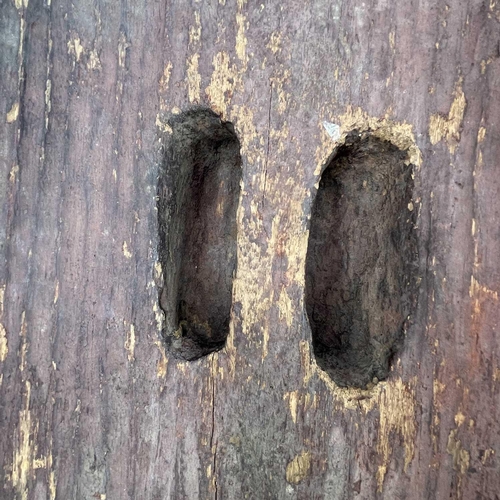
(91, 405)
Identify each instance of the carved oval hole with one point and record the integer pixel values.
(198, 193)
(361, 264)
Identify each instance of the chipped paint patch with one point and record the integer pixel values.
(4, 348)
(333, 130)
(13, 113)
(448, 127)
(299, 468)
(130, 343)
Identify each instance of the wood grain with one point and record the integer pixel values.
(91, 404)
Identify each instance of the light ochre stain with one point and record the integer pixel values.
(2, 297)
(161, 365)
(21, 4)
(299, 468)
(481, 134)
(4, 348)
(165, 77)
(279, 80)
(243, 119)
(193, 78)
(460, 456)
(25, 460)
(195, 30)
(479, 294)
(347, 398)
(163, 126)
(56, 292)
(292, 398)
(395, 400)
(130, 343)
(75, 48)
(241, 39)
(24, 343)
(448, 127)
(225, 80)
(459, 419)
(392, 40)
(397, 408)
(13, 173)
(13, 113)
(275, 41)
(94, 63)
(24, 452)
(399, 133)
(126, 251)
(285, 307)
(489, 452)
(123, 45)
(158, 314)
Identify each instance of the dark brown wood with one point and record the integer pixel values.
(91, 403)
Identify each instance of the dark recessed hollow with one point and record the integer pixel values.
(198, 193)
(361, 264)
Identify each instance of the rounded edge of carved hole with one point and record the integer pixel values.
(197, 199)
(362, 260)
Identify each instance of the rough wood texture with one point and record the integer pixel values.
(91, 404)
